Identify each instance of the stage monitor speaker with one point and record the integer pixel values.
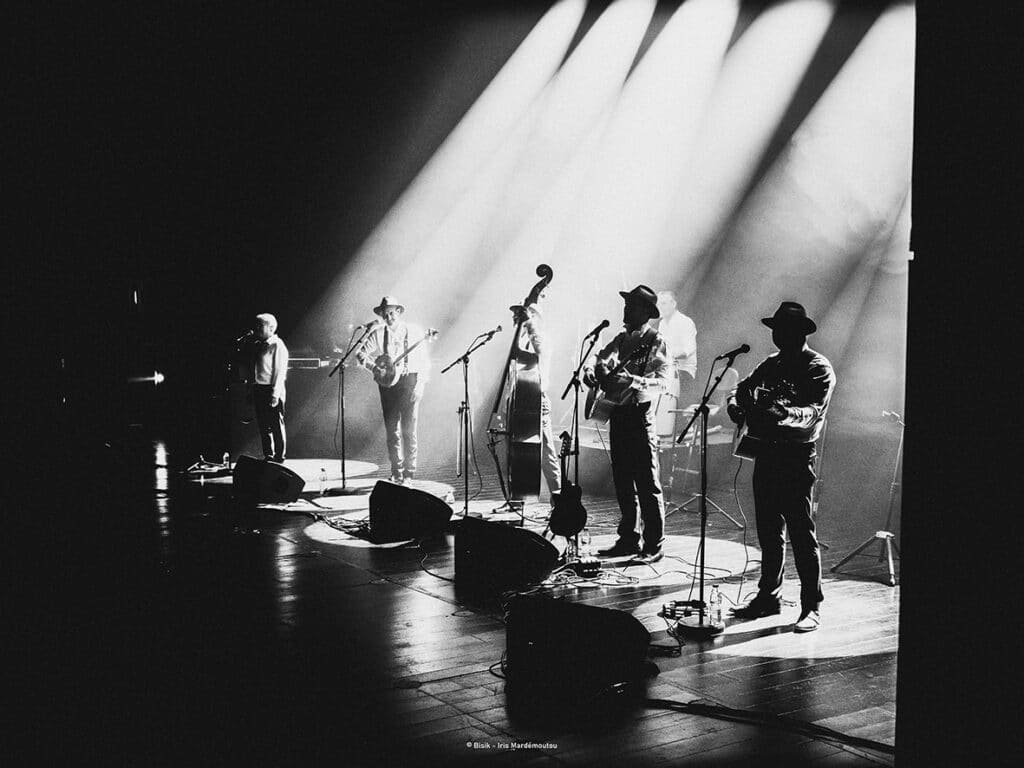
(400, 513)
(265, 481)
(562, 653)
(491, 558)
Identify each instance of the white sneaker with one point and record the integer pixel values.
(808, 622)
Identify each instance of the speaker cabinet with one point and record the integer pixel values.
(400, 513)
(491, 558)
(264, 481)
(562, 653)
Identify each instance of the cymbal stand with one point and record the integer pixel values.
(344, 490)
(699, 439)
(885, 536)
(465, 414)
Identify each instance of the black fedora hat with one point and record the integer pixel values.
(644, 295)
(790, 315)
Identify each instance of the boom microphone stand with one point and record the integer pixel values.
(344, 490)
(702, 627)
(885, 536)
(465, 414)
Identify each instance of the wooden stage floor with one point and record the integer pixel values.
(224, 634)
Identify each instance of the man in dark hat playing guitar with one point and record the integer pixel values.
(635, 369)
(394, 353)
(783, 403)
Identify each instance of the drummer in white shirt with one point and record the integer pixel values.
(681, 334)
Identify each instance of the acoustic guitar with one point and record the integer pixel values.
(604, 397)
(568, 515)
(748, 439)
(385, 368)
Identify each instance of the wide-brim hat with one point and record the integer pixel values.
(388, 302)
(790, 315)
(644, 295)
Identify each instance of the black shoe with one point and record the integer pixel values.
(619, 549)
(651, 557)
(757, 608)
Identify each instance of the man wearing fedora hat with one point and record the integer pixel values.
(400, 403)
(784, 402)
(634, 439)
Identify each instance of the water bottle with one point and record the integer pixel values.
(323, 481)
(584, 539)
(715, 602)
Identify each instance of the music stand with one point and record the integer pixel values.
(885, 536)
(344, 490)
(697, 436)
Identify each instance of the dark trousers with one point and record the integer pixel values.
(401, 408)
(635, 473)
(783, 478)
(269, 421)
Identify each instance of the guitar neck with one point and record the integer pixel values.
(409, 350)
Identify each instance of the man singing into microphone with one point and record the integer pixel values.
(783, 402)
(646, 368)
(270, 369)
(400, 402)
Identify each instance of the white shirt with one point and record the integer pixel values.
(681, 334)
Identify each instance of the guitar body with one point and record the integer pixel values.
(524, 426)
(744, 444)
(385, 372)
(385, 369)
(747, 441)
(602, 399)
(599, 404)
(568, 516)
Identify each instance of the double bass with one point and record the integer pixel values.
(520, 393)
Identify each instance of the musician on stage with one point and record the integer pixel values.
(534, 339)
(270, 369)
(634, 439)
(785, 399)
(400, 403)
(681, 334)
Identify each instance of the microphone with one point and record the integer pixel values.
(731, 354)
(489, 334)
(597, 330)
(245, 335)
(891, 415)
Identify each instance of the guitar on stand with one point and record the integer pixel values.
(385, 368)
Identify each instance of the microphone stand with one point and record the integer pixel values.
(701, 628)
(344, 490)
(464, 411)
(575, 384)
